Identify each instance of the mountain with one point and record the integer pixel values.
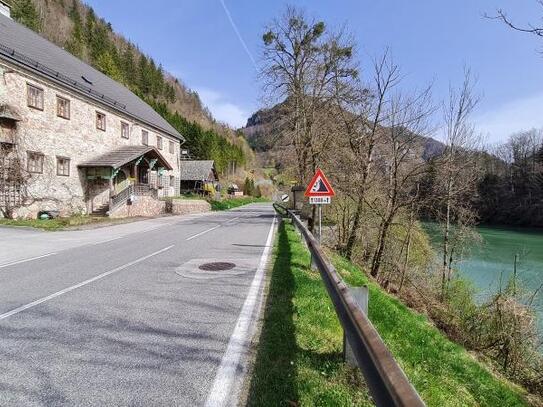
(75, 27)
(262, 129)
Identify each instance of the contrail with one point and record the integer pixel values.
(233, 24)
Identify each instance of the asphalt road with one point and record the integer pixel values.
(123, 315)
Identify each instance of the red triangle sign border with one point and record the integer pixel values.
(319, 174)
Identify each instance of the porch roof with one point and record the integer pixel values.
(124, 155)
(8, 112)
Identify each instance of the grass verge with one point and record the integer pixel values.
(299, 362)
(234, 203)
(443, 372)
(58, 223)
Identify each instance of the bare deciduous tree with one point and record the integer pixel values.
(502, 16)
(305, 67)
(457, 175)
(401, 166)
(362, 119)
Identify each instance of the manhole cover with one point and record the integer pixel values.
(217, 266)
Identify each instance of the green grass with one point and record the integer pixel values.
(231, 203)
(299, 360)
(299, 356)
(55, 224)
(444, 373)
(188, 195)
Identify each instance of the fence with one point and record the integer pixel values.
(385, 379)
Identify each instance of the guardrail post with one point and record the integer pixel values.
(361, 296)
(313, 263)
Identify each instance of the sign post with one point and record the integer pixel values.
(320, 192)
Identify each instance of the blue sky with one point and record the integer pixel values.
(431, 40)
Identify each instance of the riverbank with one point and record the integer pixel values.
(299, 356)
(490, 264)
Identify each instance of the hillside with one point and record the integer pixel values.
(75, 27)
(263, 127)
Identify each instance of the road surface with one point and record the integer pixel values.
(123, 315)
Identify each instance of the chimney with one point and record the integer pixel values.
(5, 9)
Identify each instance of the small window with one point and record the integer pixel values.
(100, 121)
(159, 142)
(145, 137)
(125, 130)
(63, 107)
(35, 162)
(172, 181)
(172, 147)
(35, 97)
(63, 166)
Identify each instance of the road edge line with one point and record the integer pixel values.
(240, 340)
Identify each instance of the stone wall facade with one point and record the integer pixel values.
(76, 138)
(188, 206)
(142, 206)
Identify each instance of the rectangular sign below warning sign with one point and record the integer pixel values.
(320, 200)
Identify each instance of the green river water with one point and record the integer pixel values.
(494, 259)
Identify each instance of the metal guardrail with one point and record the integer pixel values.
(385, 379)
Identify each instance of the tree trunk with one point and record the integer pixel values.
(353, 232)
(446, 241)
(407, 250)
(379, 251)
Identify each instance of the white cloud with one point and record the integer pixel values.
(222, 109)
(521, 114)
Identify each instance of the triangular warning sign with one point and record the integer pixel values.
(319, 186)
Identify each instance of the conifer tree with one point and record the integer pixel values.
(75, 43)
(128, 66)
(106, 64)
(90, 23)
(24, 12)
(143, 75)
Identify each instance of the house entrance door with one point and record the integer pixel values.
(143, 175)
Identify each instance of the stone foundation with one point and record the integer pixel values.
(142, 206)
(187, 206)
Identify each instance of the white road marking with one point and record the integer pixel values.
(26, 260)
(202, 233)
(210, 229)
(229, 370)
(107, 241)
(83, 283)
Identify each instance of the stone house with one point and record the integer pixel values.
(83, 142)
